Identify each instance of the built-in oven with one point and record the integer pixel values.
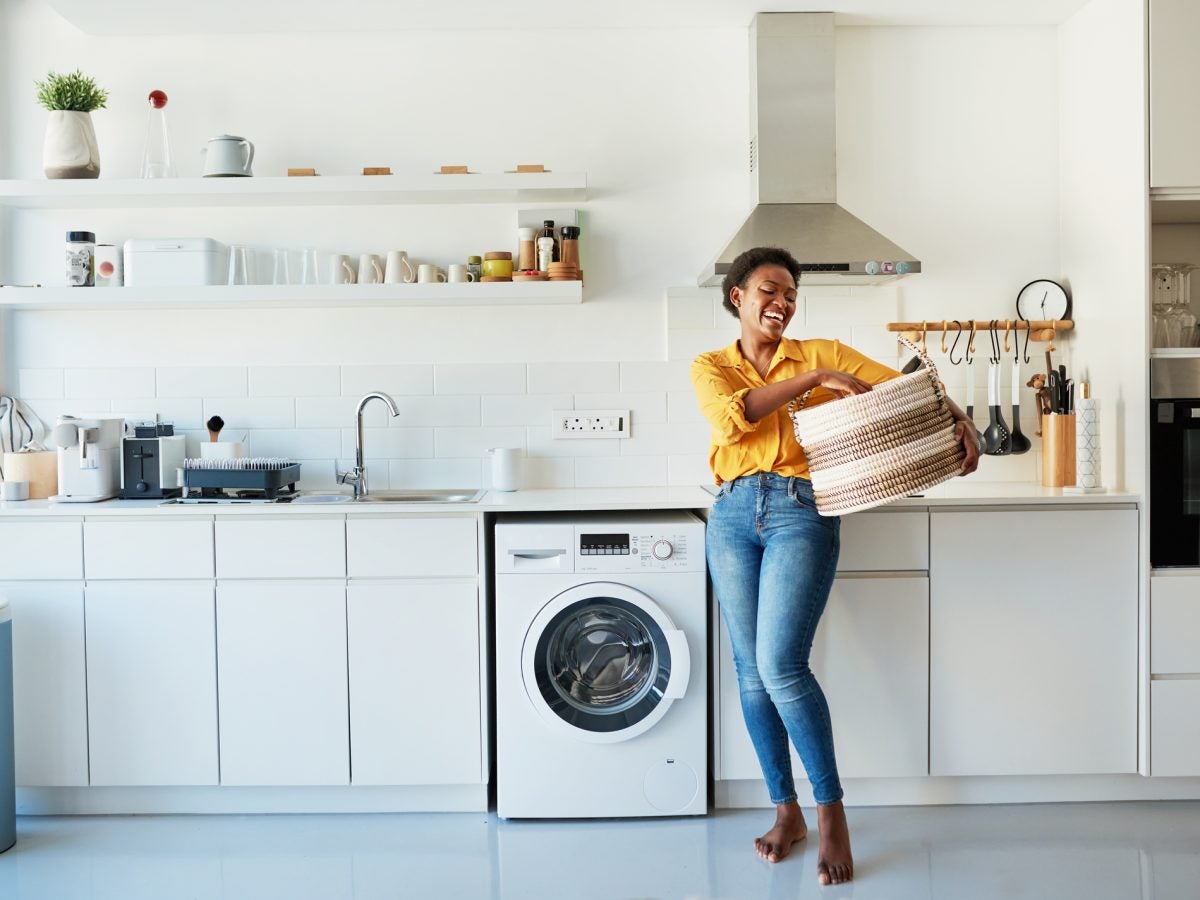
(1174, 462)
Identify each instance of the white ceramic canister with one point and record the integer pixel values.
(505, 471)
(108, 266)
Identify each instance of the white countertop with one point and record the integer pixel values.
(961, 492)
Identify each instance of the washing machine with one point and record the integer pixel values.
(601, 636)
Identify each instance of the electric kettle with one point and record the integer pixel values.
(227, 155)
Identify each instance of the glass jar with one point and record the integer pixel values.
(81, 258)
(475, 267)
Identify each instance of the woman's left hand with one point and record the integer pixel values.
(964, 432)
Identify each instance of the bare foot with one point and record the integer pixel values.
(835, 864)
(789, 829)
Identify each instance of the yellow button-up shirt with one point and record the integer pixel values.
(721, 380)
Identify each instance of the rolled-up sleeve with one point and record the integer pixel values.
(722, 404)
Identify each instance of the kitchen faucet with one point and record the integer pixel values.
(357, 477)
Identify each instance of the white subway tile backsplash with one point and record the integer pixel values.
(689, 468)
(339, 412)
(544, 472)
(436, 473)
(200, 381)
(388, 443)
(664, 440)
(49, 409)
(475, 442)
(321, 475)
(437, 411)
(494, 378)
(683, 409)
(522, 409)
(540, 443)
(576, 378)
(183, 414)
(244, 414)
(46, 383)
(686, 344)
(655, 376)
(295, 381)
(646, 407)
(115, 382)
(878, 308)
(296, 443)
(689, 308)
(628, 471)
(394, 380)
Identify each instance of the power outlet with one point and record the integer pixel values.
(591, 423)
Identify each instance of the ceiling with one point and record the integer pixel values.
(240, 16)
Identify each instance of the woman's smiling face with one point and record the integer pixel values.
(768, 301)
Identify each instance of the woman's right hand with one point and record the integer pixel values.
(842, 383)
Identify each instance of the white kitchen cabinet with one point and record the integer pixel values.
(1175, 726)
(41, 549)
(281, 651)
(871, 657)
(1175, 624)
(49, 682)
(277, 547)
(125, 548)
(1174, 78)
(1033, 642)
(399, 547)
(151, 683)
(414, 682)
(892, 540)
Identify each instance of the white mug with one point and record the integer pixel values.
(504, 468)
(341, 270)
(430, 274)
(398, 269)
(459, 273)
(369, 269)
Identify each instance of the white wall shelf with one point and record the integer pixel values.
(536, 293)
(1174, 205)
(322, 190)
(1175, 353)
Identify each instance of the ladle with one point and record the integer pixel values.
(996, 439)
(1018, 442)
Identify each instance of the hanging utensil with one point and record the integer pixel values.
(996, 439)
(969, 359)
(1018, 442)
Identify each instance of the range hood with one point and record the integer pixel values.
(793, 165)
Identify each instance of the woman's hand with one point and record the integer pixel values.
(842, 383)
(965, 433)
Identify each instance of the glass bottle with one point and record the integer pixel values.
(156, 158)
(547, 246)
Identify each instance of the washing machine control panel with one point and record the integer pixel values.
(650, 551)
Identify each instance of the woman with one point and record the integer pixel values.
(771, 557)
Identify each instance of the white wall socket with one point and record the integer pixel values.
(591, 423)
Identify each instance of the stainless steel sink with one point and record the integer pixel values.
(452, 495)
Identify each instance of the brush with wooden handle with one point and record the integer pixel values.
(214, 426)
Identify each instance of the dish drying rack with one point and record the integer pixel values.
(265, 475)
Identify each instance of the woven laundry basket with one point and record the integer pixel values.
(869, 449)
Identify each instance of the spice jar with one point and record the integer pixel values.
(570, 245)
(81, 266)
(527, 258)
(475, 267)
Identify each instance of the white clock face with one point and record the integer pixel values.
(1043, 299)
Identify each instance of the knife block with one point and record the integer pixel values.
(1058, 450)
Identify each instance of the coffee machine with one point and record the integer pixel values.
(89, 458)
(151, 461)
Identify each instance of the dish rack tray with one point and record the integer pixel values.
(268, 477)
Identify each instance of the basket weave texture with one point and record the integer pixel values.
(869, 449)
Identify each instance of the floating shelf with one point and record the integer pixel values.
(1175, 205)
(1175, 353)
(537, 293)
(322, 190)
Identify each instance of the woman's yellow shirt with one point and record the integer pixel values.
(721, 380)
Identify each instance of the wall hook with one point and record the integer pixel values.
(954, 346)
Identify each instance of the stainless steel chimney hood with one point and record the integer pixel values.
(793, 165)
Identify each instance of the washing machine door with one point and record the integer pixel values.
(602, 662)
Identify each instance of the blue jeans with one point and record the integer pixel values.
(772, 559)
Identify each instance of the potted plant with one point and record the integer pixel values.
(70, 150)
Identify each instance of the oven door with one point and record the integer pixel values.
(1174, 482)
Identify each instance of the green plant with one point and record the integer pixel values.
(73, 91)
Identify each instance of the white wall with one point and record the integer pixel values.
(944, 144)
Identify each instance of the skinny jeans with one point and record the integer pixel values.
(772, 559)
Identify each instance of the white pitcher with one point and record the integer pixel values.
(227, 155)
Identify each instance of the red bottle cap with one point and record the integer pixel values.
(158, 99)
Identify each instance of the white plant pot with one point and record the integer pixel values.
(70, 150)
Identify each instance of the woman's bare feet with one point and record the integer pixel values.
(789, 829)
(835, 864)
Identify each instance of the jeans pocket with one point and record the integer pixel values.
(722, 492)
(802, 496)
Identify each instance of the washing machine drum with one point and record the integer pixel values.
(603, 662)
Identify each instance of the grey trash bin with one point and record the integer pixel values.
(8, 773)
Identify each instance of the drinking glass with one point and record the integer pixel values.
(308, 267)
(281, 272)
(241, 264)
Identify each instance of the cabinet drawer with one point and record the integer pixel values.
(885, 542)
(281, 548)
(425, 547)
(35, 550)
(1175, 624)
(1175, 727)
(144, 548)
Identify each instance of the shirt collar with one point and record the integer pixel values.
(731, 357)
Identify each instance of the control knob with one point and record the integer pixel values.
(662, 549)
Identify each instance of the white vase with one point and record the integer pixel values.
(70, 150)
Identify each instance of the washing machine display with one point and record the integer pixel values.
(604, 661)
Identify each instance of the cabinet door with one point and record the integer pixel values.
(49, 682)
(40, 549)
(1174, 74)
(871, 658)
(1033, 642)
(281, 650)
(1175, 726)
(414, 683)
(426, 547)
(151, 683)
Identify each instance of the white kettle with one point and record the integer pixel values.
(227, 155)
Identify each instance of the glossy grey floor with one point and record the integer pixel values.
(1096, 851)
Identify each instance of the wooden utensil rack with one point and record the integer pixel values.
(1039, 329)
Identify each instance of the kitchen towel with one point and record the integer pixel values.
(19, 425)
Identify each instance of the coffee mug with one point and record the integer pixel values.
(430, 274)
(341, 270)
(459, 273)
(369, 269)
(398, 269)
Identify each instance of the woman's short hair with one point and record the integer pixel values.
(745, 264)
